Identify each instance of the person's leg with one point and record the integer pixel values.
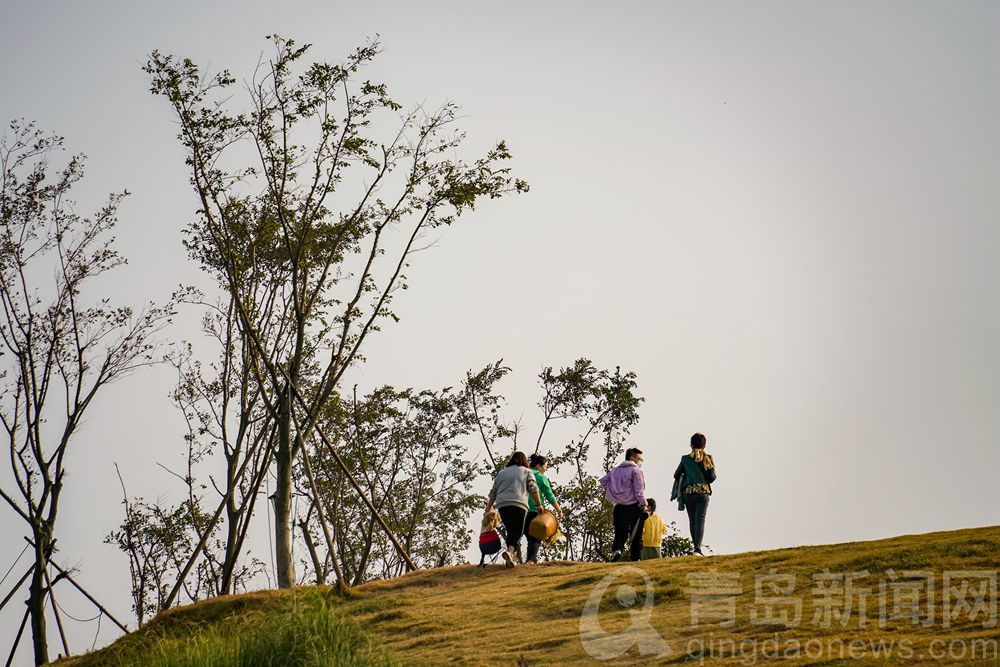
(621, 528)
(638, 517)
(700, 515)
(513, 523)
(690, 502)
(521, 531)
(533, 544)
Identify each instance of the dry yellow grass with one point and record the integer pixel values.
(465, 615)
(494, 616)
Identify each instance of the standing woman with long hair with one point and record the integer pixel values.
(512, 488)
(693, 479)
(539, 465)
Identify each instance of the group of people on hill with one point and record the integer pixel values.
(522, 490)
(637, 526)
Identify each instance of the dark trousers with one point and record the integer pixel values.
(533, 544)
(626, 517)
(513, 525)
(697, 508)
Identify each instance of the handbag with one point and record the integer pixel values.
(543, 526)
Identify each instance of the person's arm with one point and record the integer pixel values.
(661, 527)
(533, 491)
(492, 497)
(538, 501)
(680, 469)
(639, 486)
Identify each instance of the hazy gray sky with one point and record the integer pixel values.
(782, 216)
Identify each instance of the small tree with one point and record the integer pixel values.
(308, 222)
(157, 539)
(151, 536)
(605, 406)
(675, 544)
(60, 345)
(483, 404)
(406, 448)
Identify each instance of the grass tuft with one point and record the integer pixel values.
(311, 633)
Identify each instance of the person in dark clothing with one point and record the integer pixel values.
(694, 476)
(625, 486)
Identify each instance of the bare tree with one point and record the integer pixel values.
(60, 345)
(309, 222)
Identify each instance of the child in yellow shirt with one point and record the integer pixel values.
(653, 530)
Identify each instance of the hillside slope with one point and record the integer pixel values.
(711, 611)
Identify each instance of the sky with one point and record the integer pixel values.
(782, 216)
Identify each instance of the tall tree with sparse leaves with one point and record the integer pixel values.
(309, 221)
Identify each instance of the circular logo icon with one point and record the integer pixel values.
(603, 645)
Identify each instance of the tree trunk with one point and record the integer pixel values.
(232, 528)
(359, 574)
(36, 601)
(283, 496)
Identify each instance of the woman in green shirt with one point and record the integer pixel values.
(539, 464)
(693, 478)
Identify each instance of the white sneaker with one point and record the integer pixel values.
(508, 557)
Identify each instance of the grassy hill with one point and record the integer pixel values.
(532, 615)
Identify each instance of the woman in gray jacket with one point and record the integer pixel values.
(511, 489)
